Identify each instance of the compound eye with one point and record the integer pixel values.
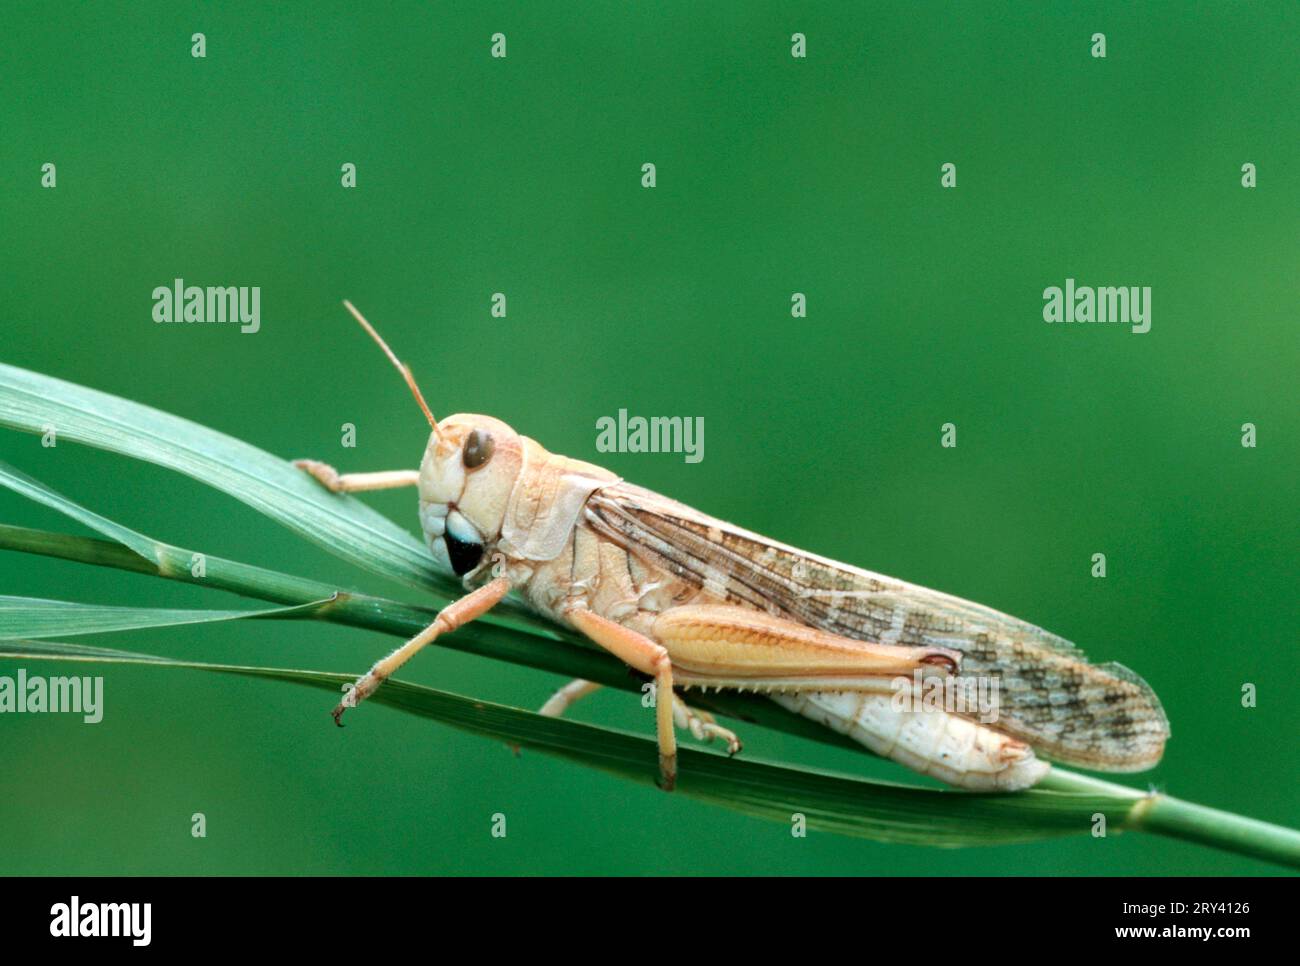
(478, 449)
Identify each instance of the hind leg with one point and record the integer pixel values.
(643, 654)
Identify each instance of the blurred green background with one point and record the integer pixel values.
(775, 176)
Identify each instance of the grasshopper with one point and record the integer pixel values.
(693, 602)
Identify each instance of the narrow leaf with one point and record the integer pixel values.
(24, 485)
(831, 802)
(30, 401)
(27, 617)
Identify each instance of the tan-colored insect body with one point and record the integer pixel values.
(694, 602)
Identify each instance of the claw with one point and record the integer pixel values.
(350, 699)
(726, 735)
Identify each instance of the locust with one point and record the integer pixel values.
(693, 602)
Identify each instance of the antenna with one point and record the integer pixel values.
(402, 367)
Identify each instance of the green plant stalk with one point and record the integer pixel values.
(1155, 813)
(1162, 814)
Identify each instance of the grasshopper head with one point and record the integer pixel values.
(466, 477)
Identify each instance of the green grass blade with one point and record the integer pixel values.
(24, 485)
(831, 802)
(30, 401)
(34, 617)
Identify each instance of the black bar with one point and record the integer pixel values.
(345, 916)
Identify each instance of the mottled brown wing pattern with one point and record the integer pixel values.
(1097, 716)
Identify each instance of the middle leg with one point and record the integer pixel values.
(702, 725)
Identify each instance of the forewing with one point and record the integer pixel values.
(1097, 716)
